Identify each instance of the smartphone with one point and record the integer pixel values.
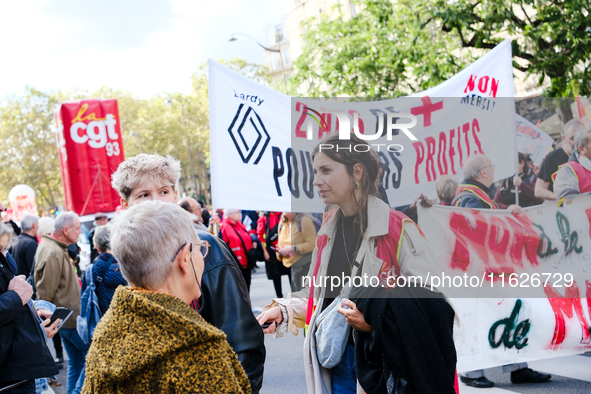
(60, 313)
(267, 325)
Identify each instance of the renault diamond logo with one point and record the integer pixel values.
(248, 131)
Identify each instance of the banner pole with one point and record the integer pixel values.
(215, 227)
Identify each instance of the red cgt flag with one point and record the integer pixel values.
(90, 148)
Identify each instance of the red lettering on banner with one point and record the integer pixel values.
(420, 149)
(465, 128)
(494, 86)
(299, 133)
(470, 85)
(441, 153)
(361, 124)
(483, 85)
(447, 148)
(476, 129)
(460, 147)
(494, 235)
(452, 151)
(525, 240)
(429, 162)
(498, 229)
(588, 295)
(426, 110)
(328, 119)
(588, 212)
(468, 235)
(563, 306)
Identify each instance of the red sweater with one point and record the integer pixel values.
(231, 234)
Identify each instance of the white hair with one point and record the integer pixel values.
(101, 238)
(473, 165)
(7, 230)
(231, 211)
(28, 221)
(571, 124)
(446, 188)
(46, 226)
(582, 137)
(64, 220)
(145, 238)
(139, 169)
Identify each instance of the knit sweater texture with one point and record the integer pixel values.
(151, 342)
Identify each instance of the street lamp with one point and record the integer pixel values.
(180, 100)
(232, 39)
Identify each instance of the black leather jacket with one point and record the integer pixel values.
(226, 305)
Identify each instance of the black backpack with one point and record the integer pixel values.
(271, 234)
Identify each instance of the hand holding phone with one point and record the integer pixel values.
(51, 329)
(60, 313)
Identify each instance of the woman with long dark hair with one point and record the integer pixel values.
(362, 237)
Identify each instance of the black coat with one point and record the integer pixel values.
(24, 253)
(28, 357)
(226, 305)
(410, 348)
(93, 252)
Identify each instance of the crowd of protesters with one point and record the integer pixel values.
(172, 281)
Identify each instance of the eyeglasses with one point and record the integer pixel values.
(491, 166)
(203, 248)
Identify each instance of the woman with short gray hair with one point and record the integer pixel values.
(46, 226)
(7, 239)
(151, 340)
(446, 188)
(106, 273)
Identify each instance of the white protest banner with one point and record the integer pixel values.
(260, 159)
(532, 140)
(248, 121)
(520, 285)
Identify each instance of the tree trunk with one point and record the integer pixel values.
(563, 109)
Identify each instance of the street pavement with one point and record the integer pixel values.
(284, 367)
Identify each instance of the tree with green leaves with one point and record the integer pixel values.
(394, 48)
(29, 153)
(150, 125)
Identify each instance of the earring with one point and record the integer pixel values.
(357, 186)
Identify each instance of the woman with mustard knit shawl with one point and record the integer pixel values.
(151, 340)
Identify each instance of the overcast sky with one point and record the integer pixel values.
(143, 46)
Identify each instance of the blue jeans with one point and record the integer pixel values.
(344, 380)
(76, 350)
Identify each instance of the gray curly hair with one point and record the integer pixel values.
(145, 237)
(5, 229)
(143, 167)
(101, 238)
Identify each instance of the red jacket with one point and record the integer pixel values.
(231, 234)
(274, 218)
